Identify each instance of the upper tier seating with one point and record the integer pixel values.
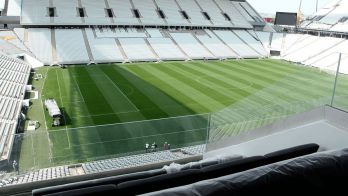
(237, 19)
(34, 11)
(171, 11)
(95, 11)
(138, 12)
(148, 12)
(123, 12)
(215, 13)
(194, 12)
(14, 7)
(66, 12)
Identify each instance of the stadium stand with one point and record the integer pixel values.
(148, 12)
(188, 43)
(215, 13)
(154, 44)
(166, 49)
(277, 41)
(172, 12)
(154, 33)
(194, 12)
(264, 38)
(103, 50)
(305, 52)
(95, 12)
(251, 41)
(232, 12)
(137, 49)
(40, 43)
(14, 75)
(66, 12)
(14, 8)
(70, 46)
(233, 41)
(2, 5)
(120, 33)
(123, 12)
(332, 17)
(34, 12)
(217, 47)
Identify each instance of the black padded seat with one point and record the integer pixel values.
(108, 189)
(97, 182)
(292, 152)
(160, 182)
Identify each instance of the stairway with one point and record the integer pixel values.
(118, 43)
(205, 47)
(88, 47)
(152, 50)
(54, 48)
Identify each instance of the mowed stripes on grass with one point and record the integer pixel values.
(95, 98)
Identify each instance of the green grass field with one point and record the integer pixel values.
(97, 99)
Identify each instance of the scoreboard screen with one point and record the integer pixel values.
(286, 18)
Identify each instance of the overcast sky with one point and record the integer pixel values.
(272, 6)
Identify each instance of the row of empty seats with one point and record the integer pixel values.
(105, 165)
(99, 45)
(14, 75)
(220, 13)
(320, 52)
(43, 174)
(128, 162)
(332, 16)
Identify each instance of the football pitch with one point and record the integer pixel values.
(115, 109)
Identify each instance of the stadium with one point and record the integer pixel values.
(171, 97)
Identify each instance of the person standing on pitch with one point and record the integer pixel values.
(147, 146)
(14, 165)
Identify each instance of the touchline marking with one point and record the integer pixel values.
(115, 113)
(42, 104)
(121, 92)
(140, 121)
(60, 94)
(171, 133)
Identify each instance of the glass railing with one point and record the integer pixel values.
(340, 86)
(42, 149)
